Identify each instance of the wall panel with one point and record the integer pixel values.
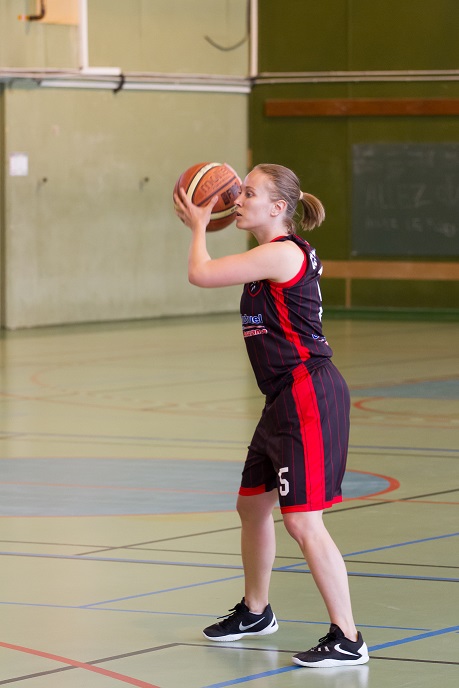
(329, 54)
(90, 232)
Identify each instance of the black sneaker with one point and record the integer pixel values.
(333, 650)
(240, 623)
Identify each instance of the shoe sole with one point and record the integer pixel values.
(237, 636)
(329, 663)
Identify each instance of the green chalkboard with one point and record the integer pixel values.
(405, 199)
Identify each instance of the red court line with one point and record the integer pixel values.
(118, 488)
(393, 484)
(80, 665)
(362, 406)
(164, 410)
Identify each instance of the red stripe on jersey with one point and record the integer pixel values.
(285, 322)
(311, 431)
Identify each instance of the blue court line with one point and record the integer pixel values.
(401, 544)
(397, 576)
(159, 592)
(384, 547)
(292, 567)
(253, 677)
(414, 638)
(373, 648)
(183, 614)
(120, 560)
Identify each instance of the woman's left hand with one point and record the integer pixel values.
(192, 215)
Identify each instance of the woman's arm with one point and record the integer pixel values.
(279, 261)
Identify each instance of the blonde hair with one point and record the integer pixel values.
(285, 185)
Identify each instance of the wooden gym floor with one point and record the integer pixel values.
(121, 450)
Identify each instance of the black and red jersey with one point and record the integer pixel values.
(281, 323)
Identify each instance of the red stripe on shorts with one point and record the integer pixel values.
(311, 432)
(250, 491)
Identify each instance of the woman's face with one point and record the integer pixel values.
(254, 206)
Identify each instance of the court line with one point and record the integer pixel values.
(80, 665)
(222, 646)
(203, 441)
(279, 557)
(128, 488)
(93, 661)
(331, 512)
(416, 661)
(412, 639)
(253, 677)
(337, 510)
(159, 592)
(363, 405)
(391, 484)
(200, 645)
(402, 544)
(374, 648)
(385, 547)
(386, 576)
(153, 612)
(124, 438)
(401, 563)
(408, 500)
(292, 568)
(402, 449)
(384, 502)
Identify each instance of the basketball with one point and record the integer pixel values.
(208, 179)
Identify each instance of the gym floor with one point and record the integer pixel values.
(121, 451)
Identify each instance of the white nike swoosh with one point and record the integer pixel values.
(338, 648)
(244, 628)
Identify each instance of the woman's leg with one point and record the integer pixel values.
(326, 565)
(258, 546)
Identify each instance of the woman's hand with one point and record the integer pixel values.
(191, 215)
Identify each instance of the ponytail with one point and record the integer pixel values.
(313, 211)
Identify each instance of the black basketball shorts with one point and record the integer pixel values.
(300, 443)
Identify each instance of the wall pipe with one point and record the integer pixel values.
(34, 17)
(85, 69)
(253, 44)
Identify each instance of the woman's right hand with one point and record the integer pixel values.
(191, 215)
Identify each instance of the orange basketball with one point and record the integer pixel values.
(208, 179)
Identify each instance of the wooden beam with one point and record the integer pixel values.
(390, 270)
(362, 107)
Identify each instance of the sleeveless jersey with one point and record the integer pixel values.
(281, 323)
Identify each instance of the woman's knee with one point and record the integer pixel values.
(256, 507)
(304, 527)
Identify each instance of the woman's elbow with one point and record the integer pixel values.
(196, 279)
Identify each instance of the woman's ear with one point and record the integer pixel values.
(278, 207)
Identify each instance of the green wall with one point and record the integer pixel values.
(301, 36)
(306, 35)
(90, 234)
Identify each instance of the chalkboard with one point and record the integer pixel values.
(405, 199)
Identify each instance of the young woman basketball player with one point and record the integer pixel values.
(299, 449)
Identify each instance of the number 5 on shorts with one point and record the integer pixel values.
(284, 486)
